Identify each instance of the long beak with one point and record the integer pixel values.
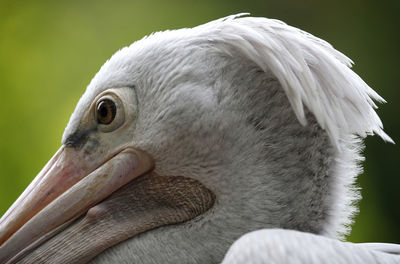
(65, 188)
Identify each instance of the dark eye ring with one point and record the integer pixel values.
(106, 111)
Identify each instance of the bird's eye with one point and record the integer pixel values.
(106, 111)
(109, 110)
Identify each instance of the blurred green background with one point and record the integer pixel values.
(50, 50)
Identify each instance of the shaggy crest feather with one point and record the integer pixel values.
(310, 70)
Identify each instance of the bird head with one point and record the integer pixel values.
(257, 117)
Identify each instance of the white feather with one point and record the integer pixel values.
(280, 246)
(310, 70)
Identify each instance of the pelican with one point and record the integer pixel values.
(236, 141)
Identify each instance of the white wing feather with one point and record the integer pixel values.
(277, 246)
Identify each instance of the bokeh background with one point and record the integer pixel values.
(49, 51)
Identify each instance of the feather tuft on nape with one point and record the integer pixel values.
(310, 70)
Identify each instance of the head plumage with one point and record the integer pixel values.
(312, 73)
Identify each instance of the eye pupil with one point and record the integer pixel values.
(106, 111)
(103, 111)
